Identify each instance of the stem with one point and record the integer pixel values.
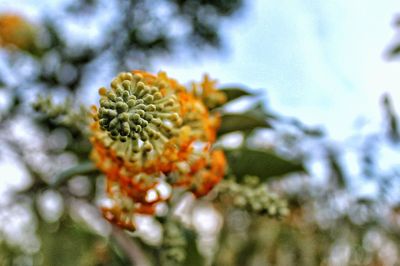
(131, 249)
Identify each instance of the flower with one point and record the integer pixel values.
(207, 91)
(16, 32)
(202, 174)
(149, 129)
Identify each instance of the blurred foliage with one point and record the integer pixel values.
(394, 49)
(241, 122)
(233, 93)
(66, 243)
(262, 163)
(51, 218)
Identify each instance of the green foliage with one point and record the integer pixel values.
(262, 163)
(241, 122)
(255, 118)
(394, 51)
(193, 255)
(65, 243)
(233, 93)
(174, 244)
(392, 126)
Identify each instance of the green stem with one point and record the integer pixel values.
(80, 169)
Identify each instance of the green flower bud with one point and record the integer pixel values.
(134, 106)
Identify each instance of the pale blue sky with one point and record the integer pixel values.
(320, 61)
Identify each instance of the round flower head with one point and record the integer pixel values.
(137, 110)
(137, 118)
(149, 128)
(15, 32)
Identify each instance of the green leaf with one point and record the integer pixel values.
(336, 169)
(264, 164)
(241, 122)
(391, 117)
(65, 243)
(259, 111)
(232, 93)
(193, 256)
(395, 51)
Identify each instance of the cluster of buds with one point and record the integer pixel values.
(16, 32)
(62, 113)
(253, 196)
(150, 129)
(174, 244)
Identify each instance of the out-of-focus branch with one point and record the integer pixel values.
(131, 249)
(80, 169)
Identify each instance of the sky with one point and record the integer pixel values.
(320, 61)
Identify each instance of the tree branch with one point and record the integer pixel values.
(131, 249)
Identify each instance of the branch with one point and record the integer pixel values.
(131, 249)
(80, 169)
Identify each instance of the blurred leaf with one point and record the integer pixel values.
(233, 93)
(241, 122)
(246, 253)
(193, 256)
(394, 51)
(336, 169)
(67, 244)
(313, 132)
(264, 164)
(391, 119)
(259, 111)
(365, 201)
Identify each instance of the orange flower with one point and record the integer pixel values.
(16, 32)
(124, 220)
(150, 128)
(195, 114)
(201, 173)
(213, 175)
(208, 93)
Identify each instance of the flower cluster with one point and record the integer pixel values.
(16, 32)
(174, 244)
(150, 129)
(253, 196)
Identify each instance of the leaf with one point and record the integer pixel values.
(394, 51)
(232, 93)
(241, 122)
(259, 111)
(336, 169)
(264, 164)
(66, 244)
(391, 117)
(193, 256)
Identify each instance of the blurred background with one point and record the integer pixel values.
(319, 79)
